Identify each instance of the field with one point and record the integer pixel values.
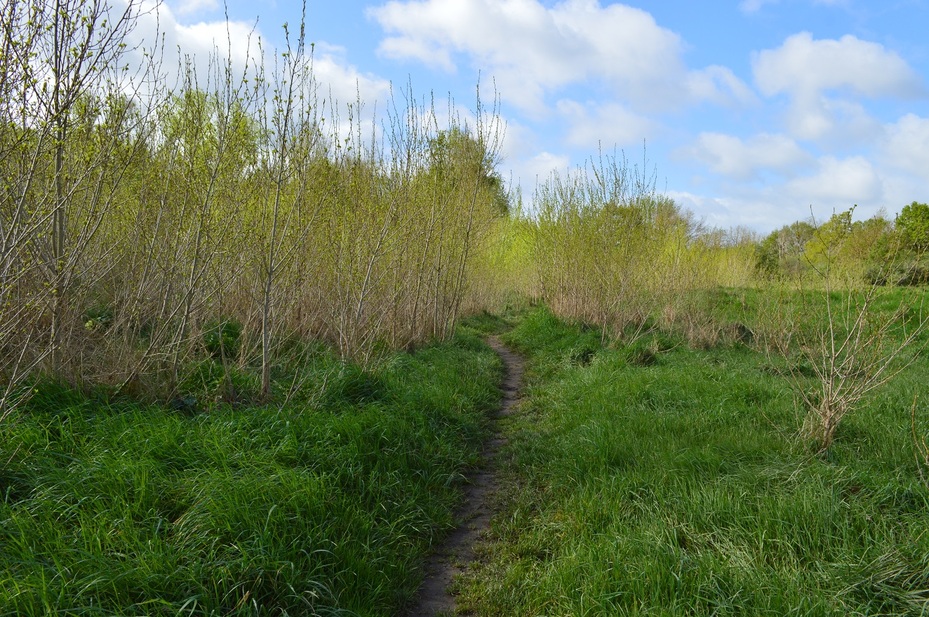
(648, 477)
(326, 505)
(655, 479)
(242, 366)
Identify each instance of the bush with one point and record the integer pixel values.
(222, 338)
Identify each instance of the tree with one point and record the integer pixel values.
(913, 224)
(68, 117)
(840, 340)
(455, 152)
(782, 252)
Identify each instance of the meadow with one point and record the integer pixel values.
(657, 479)
(326, 505)
(242, 372)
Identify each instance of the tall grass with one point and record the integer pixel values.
(327, 505)
(654, 479)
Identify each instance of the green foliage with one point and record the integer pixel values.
(853, 250)
(209, 382)
(455, 155)
(353, 385)
(98, 318)
(913, 223)
(828, 241)
(611, 251)
(324, 507)
(222, 338)
(767, 256)
(782, 252)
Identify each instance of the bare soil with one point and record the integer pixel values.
(457, 551)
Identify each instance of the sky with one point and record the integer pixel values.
(752, 113)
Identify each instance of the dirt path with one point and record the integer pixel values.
(453, 555)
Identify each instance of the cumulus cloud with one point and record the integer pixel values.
(839, 183)
(342, 81)
(714, 211)
(804, 67)
(720, 85)
(746, 159)
(753, 6)
(186, 7)
(207, 46)
(833, 121)
(533, 50)
(906, 145)
(529, 172)
(820, 77)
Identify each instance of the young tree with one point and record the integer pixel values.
(913, 224)
(68, 117)
(840, 329)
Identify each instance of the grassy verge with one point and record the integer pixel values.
(659, 480)
(324, 506)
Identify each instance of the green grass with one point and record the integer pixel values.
(659, 480)
(326, 505)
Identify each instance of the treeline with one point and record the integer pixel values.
(874, 251)
(611, 251)
(143, 226)
(602, 246)
(606, 248)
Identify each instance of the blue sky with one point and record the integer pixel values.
(752, 111)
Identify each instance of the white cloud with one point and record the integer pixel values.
(906, 145)
(609, 124)
(806, 70)
(719, 84)
(233, 40)
(838, 184)
(834, 121)
(341, 81)
(415, 48)
(207, 43)
(744, 160)
(804, 67)
(533, 50)
(186, 7)
(530, 172)
(714, 211)
(753, 6)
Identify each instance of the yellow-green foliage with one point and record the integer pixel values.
(848, 248)
(611, 251)
(230, 199)
(504, 274)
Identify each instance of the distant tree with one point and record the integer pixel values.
(455, 154)
(782, 251)
(913, 225)
(826, 247)
(767, 262)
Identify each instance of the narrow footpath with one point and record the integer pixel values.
(457, 551)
